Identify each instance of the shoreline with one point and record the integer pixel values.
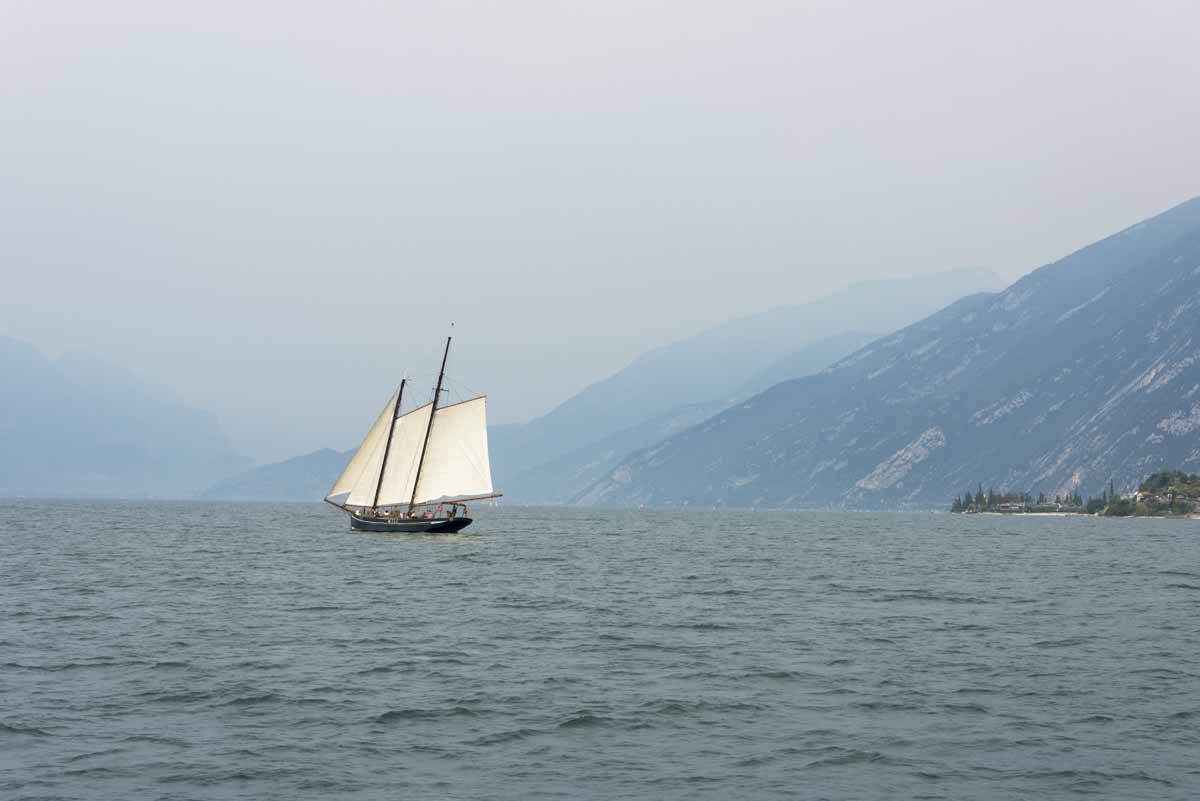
(1081, 514)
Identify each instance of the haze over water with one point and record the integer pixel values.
(250, 651)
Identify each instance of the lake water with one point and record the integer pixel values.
(238, 651)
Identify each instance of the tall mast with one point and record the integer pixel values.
(388, 446)
(437, 394)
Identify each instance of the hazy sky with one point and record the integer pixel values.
(274, 208)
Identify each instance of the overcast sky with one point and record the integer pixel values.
(274, 208)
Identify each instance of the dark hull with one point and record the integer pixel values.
(414, 526)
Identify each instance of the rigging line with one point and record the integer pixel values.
(461, 390)
(462, 385)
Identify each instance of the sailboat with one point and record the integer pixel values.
(415, 471)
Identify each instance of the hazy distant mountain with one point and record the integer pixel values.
(80, 427)
(562, 478)
(1085, 370)
(302, 478)
(566, 476)
(714, 366)
(806, 360)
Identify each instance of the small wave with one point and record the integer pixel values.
(256, 664)
(28, 731)
(504, 736)
(673, 707)
(177, 698)
(775, 674)
(1160, 673)
(1096, 777)
(99, 770)
(851, 756)
(654, 646)
(395, 667)
(1095, 719)
(582, 719)
(885, 706)
(1068, 642)
(755, 761)
(91, 754)
(1181, 586)
(972, 708)
(157, 740)
(64, 666)
(925, 595)
(400, 715)
(706, 626)
(561, 680)
(240, 774)
(253, 700)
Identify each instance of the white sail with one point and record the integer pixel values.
(455, 464)
(372, 446)
(456, 461)
(403, 457)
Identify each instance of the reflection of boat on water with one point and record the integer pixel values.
(415, 471)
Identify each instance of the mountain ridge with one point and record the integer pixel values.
(306, 477)
(972, 393)
(562, 479)
(713, 365)
(80, 427)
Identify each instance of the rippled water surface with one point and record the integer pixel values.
(246, 651)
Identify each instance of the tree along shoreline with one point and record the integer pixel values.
(1167, 493)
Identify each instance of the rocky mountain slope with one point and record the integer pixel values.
(714, 367)
(566, 476)
(1083, 371)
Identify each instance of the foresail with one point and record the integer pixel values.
(372, 445)
(456, 460)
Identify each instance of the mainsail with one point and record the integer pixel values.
(456, 461)
(453, 465)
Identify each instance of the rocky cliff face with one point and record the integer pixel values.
(714, 368)
(565, 477)
(1083, 371)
